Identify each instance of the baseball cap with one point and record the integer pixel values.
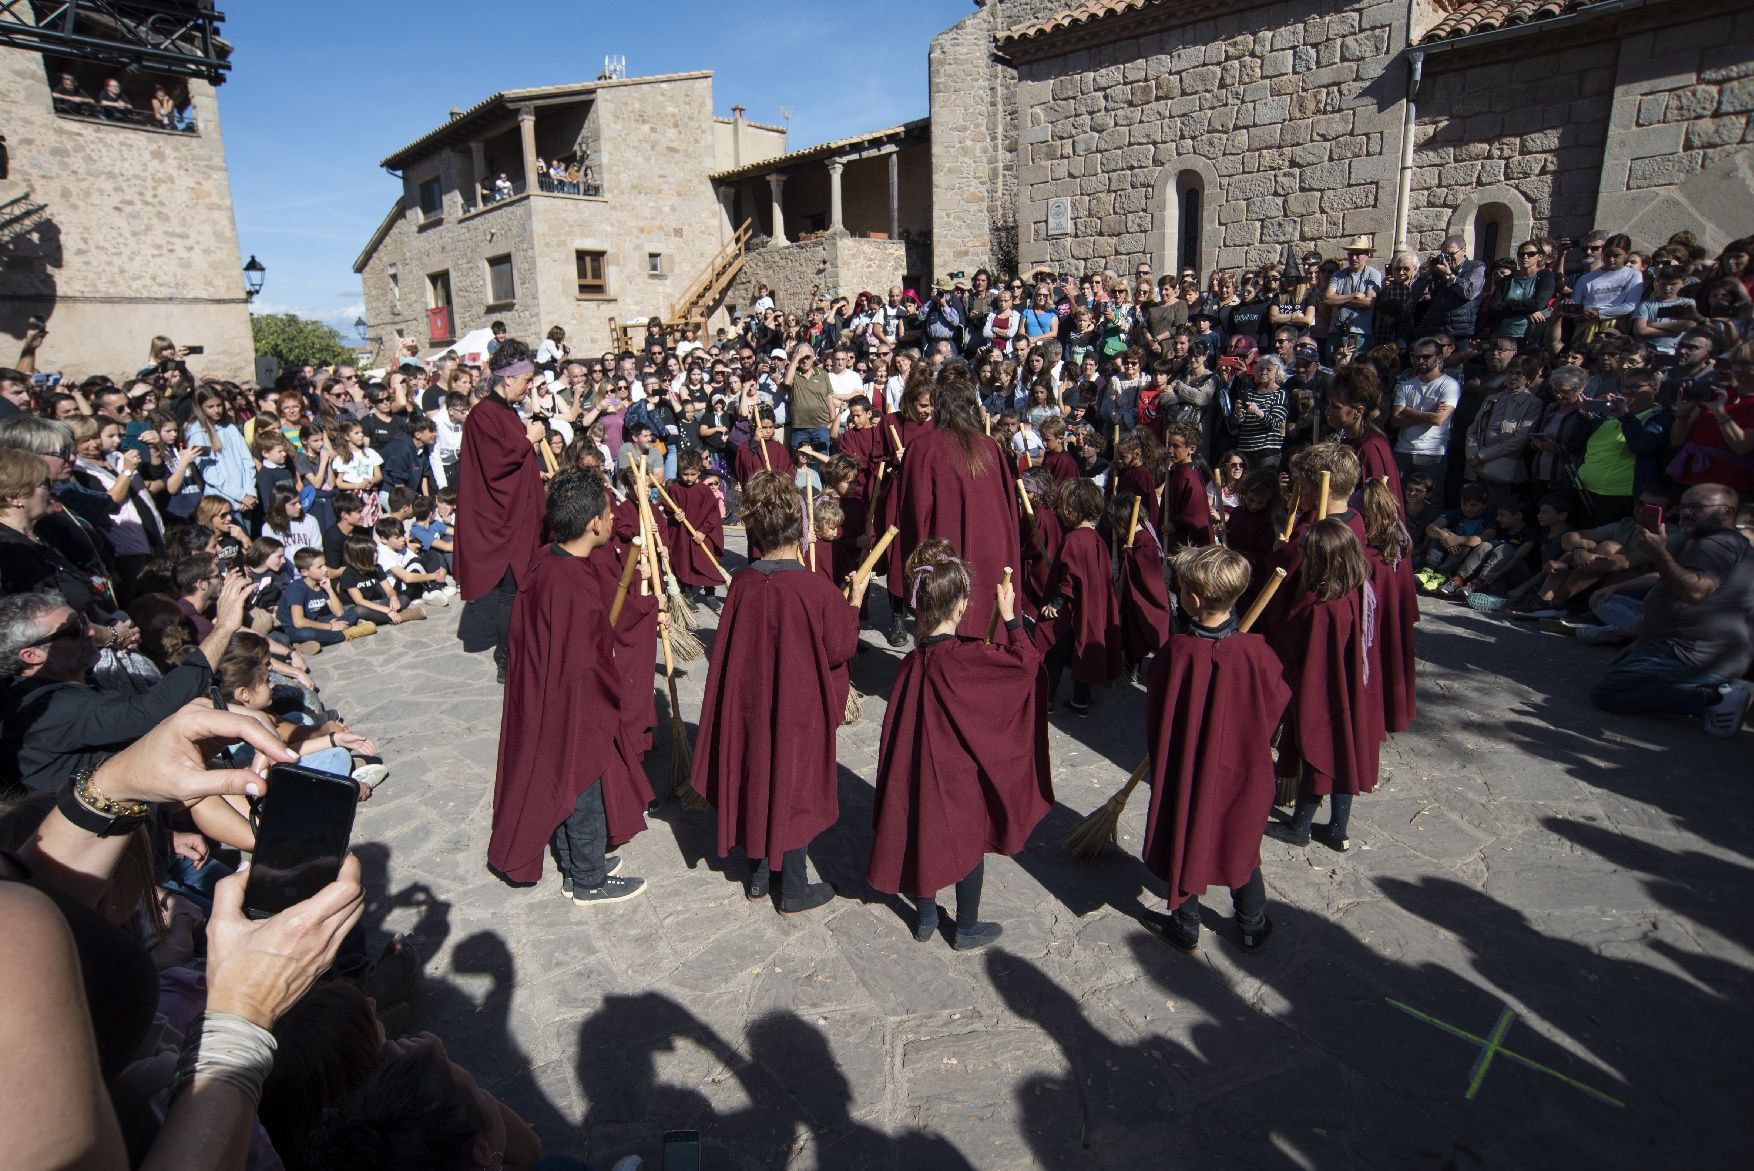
(778, 354)
(1306, 349)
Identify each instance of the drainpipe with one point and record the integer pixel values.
(1404, 189)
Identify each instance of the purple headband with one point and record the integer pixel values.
(516, 369)
(919, 575)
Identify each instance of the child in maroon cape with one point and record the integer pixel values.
(963, 767)
(1187, 510)
(1333, 728)
(1397, 592)
(840, 477)
(862, 442)
(1055, 460)
(749, 458)
(774, 699)
(1215, 696)
(636, 635)
(1135, 466)
(1079, 622)
(697, 501)
(1143, 594)
(1354, 403)
(915, 419)
(826, 522)
(1040, 536)
(565, 779)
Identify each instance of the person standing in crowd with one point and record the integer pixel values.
(1352, 294)
(499, 503)
(1424, 402)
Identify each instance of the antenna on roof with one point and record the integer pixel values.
(786, 114)
(614, 67)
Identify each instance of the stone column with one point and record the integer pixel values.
(835, 227)
(527, 132)
(774, 184)
(478, 161)
(895, 195)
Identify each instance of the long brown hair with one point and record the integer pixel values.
(937, 579)
(1333, 561)
(772, 511)
(1384, 528)
(957, 409)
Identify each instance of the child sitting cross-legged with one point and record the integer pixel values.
(1500, 562)
(368, 588)
(311, 612)
(1458, 532)
(421, 576)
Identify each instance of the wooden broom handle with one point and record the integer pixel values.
(547, 454)
(1322, 495)
(1290, 519)
(1133, 523)
(1260, 603)
(766, 459)
(810, 516)
(871, 558)
(693, 533)
(896, 436)
(1023, 495)
(626, 581)
(993, 622)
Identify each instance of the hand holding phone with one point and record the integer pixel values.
(303, 823)
(1650, 518)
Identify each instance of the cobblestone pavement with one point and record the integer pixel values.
(1539, 949)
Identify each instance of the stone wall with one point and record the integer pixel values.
(1285, 114)
(117, 233)
(837, 265)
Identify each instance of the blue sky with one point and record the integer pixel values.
(320, 91)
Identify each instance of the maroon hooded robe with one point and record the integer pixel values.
(867, 449)
(889, 503)
(1139, 481)
(748, 460)
(499, 499)
(700, 505)
(1187, 511)
(1335, 719)
(1040, 538)
(561, 716)
(976, 511)
(1085, 578)
(764, 757)
(1144, 595)
(1397, 595)
(1210, 711)
(962, 771)
(1376, 459)
(1060, 466)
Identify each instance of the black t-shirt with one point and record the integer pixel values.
(335, 546)
(370, 585)
(688, 434)
(378, 432)
(1249, 318)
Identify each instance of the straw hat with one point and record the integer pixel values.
(1360, 244)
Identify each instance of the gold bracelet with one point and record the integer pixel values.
(98, 801)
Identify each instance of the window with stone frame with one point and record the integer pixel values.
(593, 273)
(432, 197)
(101, 93)
(502, 284)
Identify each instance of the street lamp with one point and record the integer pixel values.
(359, 327)
(254, 271)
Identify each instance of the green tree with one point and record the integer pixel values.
(296, 341)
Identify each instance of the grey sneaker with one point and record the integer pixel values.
(1603, 635)
(1724, 718)
(614, 889)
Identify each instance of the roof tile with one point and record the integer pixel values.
(1484, 16)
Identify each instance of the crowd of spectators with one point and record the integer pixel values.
(165, 110)
(1568, 429)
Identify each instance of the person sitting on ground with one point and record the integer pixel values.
(421, 576)
(1695, 639)
(197, 580)
(1423, 511)
(431, 524)
(368, 588)
(1497, 564)
(311, 611)
(1458, 532)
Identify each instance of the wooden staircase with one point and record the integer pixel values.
(698, 299)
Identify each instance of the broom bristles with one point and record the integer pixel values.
(682, 767)
(855, 709)
(684, 645)
(1096, 833)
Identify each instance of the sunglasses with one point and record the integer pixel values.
(1526, 255)
(75, 627)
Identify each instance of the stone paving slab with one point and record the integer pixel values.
(1590, 874)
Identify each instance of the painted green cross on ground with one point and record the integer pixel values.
(1493, 1046)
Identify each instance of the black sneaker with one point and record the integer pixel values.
(1254, 941)
(611, 866)
(897, 632)
(760, 880)
(924, 929)
(1339, 843)
(976, 937)
(1281, 831)
(1170, 929)
(1076, 708)
(816, 896)
(613, 890)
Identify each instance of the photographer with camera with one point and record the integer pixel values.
(1452, 289)
(940, 319)
(1714, 426)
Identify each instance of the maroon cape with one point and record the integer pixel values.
(1144, 595)
(764, 756)
(961, 772)
(868, 450)
(1085, 577)
(1060, 466)
(1376, 459)
(1252, 535)
(1040, 539)
(1397, 596)
(974, 511)
(1140, 482)
(1187, 512)
(636, 657)
(499, 499)
(560, 721)
(1335, 719)
(700, 505)
(1210, 711)
(889, 502)
(748, 460)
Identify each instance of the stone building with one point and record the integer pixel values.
(113, 227)
(628, 242)
(1216, 133)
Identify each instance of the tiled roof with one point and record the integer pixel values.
(1082, 14)
(821, 150)
(1483, 16)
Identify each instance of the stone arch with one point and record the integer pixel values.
(1189, 173)
(1504, 208)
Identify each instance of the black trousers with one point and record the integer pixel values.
(793, 876)
(487, 621)
(1057, 660)
(1249, 899)
(581, 841)
(968, 899)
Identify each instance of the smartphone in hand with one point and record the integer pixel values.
(303, 823)
(1650, 517)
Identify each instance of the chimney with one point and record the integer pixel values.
(737, 120)
(455, 113)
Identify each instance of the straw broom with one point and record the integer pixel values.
(688, 647)
(693, 533)
(547, 454)
(872, 558)
(1096, 833)
(681, 754)
(993, 622)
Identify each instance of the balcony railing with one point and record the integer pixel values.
(90, 110)
(515, 189)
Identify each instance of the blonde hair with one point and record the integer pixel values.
(1215, 574)
(1330, 456)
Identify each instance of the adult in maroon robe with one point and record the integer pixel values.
(1334, 724)
(499, 517)
(764, 756)
(561, 716)
(1187, 510)
(700, 505)
(889, 504)
(1144, 596)
(1376, 460)
(962, 772)
(1210, 711)
(1061, 466)
(975, 509)
(1082, 584)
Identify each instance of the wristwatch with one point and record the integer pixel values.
(87, 807)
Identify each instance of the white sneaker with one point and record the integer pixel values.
(1724, 718)
(435, 598)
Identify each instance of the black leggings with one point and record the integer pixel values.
(1057, 660)
(968, 899)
